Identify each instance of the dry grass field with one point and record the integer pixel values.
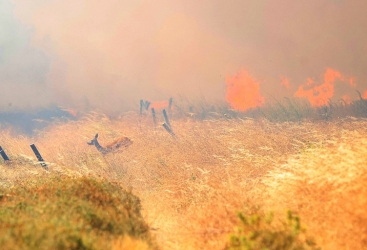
(192, 185)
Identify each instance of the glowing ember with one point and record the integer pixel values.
(319, 95)
(284, 82)
(71, 111)
(159, 105)
(243, 91)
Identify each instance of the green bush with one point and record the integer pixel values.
(66, 213)
(258, 231)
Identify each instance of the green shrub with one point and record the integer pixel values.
(258, 231)
(66, 213)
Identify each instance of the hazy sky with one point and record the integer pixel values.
(112, 53)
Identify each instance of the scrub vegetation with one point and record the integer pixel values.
(54, 212)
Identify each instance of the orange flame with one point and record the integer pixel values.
(243, 91)
(318, 95)
(159, 105)
(364, 96)
(284, 82)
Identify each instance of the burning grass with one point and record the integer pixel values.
(191, 185)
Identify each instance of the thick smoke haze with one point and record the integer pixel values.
(110, 54)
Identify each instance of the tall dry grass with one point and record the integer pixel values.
(192, 185)
(328, 186)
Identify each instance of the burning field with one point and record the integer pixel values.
(183, 124)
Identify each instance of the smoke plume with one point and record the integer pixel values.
(110, 54)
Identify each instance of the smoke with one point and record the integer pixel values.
(23, 68)
(284, 82)
(110, 54)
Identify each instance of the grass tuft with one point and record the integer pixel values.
(68, 213)
(258, 231)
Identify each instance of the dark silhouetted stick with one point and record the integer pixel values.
(154, 117)
(169, 130)
(2, 152)
(170, 103)
(166, 118)
(360, 96)
(141, 106)
(39, 157)
(147, 104)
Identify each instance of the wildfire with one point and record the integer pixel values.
(243, 91)
(318, 95)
